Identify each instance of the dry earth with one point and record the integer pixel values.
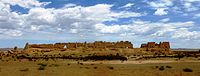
(99, 68)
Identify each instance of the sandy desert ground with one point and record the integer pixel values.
(100, 68)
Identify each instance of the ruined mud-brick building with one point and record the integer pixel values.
(96, 44)
(153, 46)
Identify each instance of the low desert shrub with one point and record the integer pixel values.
(111, 68)
(24, 70)
(87, 67)
(168, 66)
(68, 64)
(91, 64)
(187, 70)
(81, 63)
(157, 66)
(161, 68)
(42, 66)
(95, 67)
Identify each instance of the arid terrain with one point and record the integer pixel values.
(99, 68)
(135, 65)
(99, 59)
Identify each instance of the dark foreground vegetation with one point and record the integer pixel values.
(84, 58)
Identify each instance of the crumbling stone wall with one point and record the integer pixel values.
(123, 44)
(164, 45)
(143, 46)
(96, 44)
(46, 46)
(26, 46)
(152, 46)
(155, 45)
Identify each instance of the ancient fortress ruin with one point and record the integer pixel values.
(155, 45)
(150, 46)
(96, 44)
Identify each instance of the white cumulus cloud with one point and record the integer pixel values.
(145, 28)
(161, 6)
(69, 19)
(127, 5)
(25, 3)
(184, 33)
(160, 11)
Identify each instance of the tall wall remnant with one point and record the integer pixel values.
(26, 46)
(96, 44)
(164, 45)
(154, 46)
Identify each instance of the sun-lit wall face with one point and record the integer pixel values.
(156, 45)
(96, 44)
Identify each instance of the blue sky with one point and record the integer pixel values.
(138, 21)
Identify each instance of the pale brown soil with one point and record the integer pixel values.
(99, 68)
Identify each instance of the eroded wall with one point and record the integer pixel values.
(96, 44)
(153, 46)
